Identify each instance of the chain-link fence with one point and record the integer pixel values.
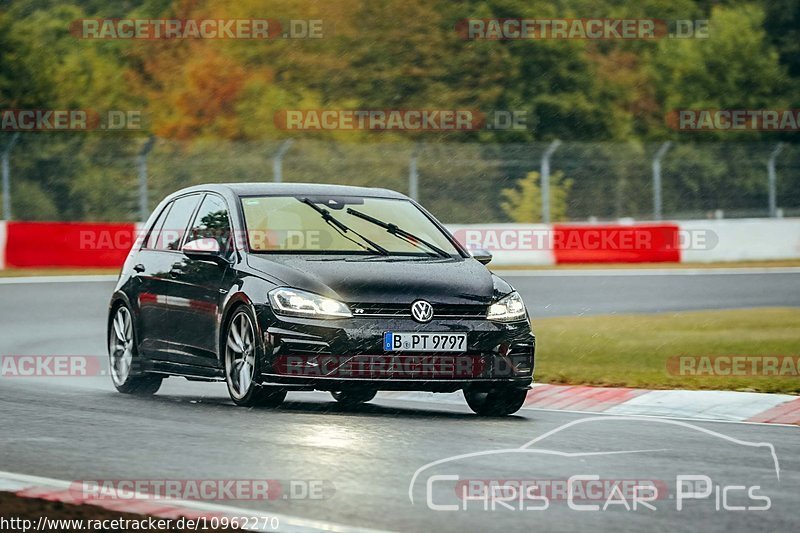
(99, 177)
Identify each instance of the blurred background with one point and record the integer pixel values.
(208, 108)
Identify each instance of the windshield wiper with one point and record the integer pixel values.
(398, 232)
(344, 229)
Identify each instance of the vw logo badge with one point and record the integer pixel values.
(422, 311)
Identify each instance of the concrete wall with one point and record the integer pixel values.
(744, 240)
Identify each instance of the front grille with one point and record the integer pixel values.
(404, 310)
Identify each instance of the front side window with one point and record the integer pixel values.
(287, 224)
(212, 221)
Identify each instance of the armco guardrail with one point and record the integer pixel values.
(85, 244)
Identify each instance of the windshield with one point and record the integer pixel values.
(279, 224)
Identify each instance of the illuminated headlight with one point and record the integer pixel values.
(295, 302)
(508, 309)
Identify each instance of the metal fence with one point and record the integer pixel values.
(59, 176)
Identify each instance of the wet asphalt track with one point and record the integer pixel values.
(80, 429)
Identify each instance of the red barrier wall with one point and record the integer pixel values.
(68, 244)
(652, 243)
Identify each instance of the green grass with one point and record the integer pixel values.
(633, 350)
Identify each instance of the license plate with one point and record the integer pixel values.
(424, 342)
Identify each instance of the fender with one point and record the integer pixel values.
(238, 296)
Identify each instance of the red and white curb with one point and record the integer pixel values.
(57, 490)
(703, 405)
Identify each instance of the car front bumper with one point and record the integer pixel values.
(343, 353)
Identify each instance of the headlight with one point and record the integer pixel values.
(508, 309)
(295, 302)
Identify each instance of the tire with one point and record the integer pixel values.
(352, 398)
(497, 402)
(123, 356)
(241, 362)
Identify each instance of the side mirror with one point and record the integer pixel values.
(204, 249)
(484, 257)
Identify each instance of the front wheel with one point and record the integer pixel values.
(241, 361)
(353, 397)
(121, 357)
(497, 402)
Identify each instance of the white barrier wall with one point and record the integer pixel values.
(757, 239)
(699, 241)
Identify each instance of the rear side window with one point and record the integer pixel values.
(171, 233)
(212, 221)
(155, 231)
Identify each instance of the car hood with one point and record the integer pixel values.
(378, 279)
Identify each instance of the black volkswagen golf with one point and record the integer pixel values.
(291, 287)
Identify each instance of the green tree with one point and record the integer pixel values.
(523, 203)
(735, 67)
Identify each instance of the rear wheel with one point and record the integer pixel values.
(122, 356)
(241, 364)
(354, 397)
(497, 402)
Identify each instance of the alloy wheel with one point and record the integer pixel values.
(121, 346)
(240, 355)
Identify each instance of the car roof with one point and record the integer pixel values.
(266, 189)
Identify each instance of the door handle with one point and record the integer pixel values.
(138, 268)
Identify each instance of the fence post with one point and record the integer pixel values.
(277, 161)
(657, 179)
(7, 177)
(144, 210)
(771, 184)
(545, 177)
(413, 174)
